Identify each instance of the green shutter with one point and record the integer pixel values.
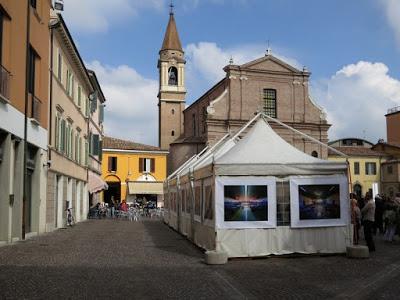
(96, 144)
(79, 96)
(101, 113)
(56, 133)
(63, 135)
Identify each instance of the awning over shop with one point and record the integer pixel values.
(145, 188)
(96, 184)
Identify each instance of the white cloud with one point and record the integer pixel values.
(392, 10)
(131, 109)
(90, 16)
(356, 99)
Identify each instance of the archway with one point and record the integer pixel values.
(357, 189)
(114, 189)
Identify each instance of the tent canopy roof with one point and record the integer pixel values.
(262, 145)
(259, 148)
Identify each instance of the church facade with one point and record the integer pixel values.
(266, 84)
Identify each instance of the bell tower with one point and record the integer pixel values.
(172, 91)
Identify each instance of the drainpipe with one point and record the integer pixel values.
(28, 19)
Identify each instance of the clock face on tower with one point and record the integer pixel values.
(172, 76)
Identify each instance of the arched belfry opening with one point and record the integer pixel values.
(172, 76)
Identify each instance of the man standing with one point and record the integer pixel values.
(368, 213)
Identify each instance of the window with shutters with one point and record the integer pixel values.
(79, 96)
(80, 151)
(356, 168)
(86, 153)
(72, 86)
(56, 132)
(370, 168)
(87, 107)
(93, 104)
(68, 82)
(146, 165)
(31, 70)
(101, 113)
(77, 147)
(95, 149)
(112, 164)
(269, 102)
(71, 144)
(62, 136)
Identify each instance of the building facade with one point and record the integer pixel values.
(24, 91)
(133, 172)
(364, 163)
(67, 177)
(95, 136)
(267, 85)
(391, 168)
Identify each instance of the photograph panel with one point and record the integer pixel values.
(319, 201)
(241, 207)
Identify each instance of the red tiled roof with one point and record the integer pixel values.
(356, 151)
(114, 143)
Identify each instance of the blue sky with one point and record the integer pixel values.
(352, 49)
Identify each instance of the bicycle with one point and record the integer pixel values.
(70, 218)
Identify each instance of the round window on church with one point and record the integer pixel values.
(314, 153)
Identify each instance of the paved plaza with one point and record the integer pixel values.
(148, 260)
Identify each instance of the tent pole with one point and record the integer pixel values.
(305, 135)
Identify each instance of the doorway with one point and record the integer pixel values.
(357, 190)
(113, 192)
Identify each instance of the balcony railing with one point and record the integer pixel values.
(393, 110)
(4, 83)
(36, 107)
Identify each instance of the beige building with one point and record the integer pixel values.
(266, 84)
(24, 90)
(68, 129)
(364, 162)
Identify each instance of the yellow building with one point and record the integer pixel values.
(133, 172)
(365, 163)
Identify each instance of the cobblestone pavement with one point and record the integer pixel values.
(148, 260)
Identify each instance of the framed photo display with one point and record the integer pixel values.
(319, 201)
(245, 202)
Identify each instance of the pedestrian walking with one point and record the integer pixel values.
(390, 220)
(368, 214)
(355, 220)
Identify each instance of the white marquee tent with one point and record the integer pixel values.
(258, 195)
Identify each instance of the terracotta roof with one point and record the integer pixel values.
(190, 140)
(113, 143)
(356, 151)
(171, 38)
